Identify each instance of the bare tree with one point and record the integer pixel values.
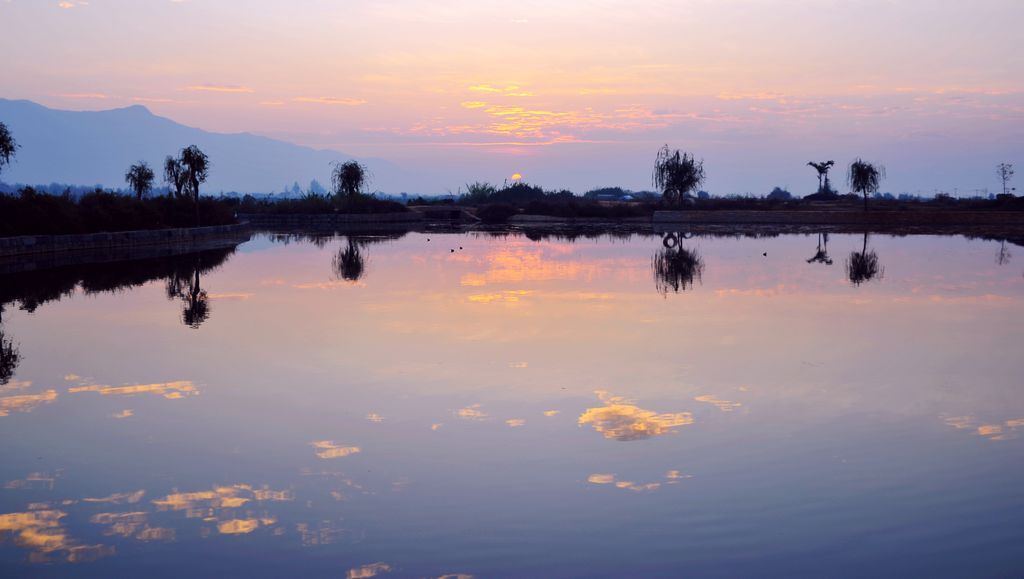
(677, 174)
(865, 178)
(140, 178)
(8, 146)
(1005, 172)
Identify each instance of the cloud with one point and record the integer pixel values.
(515, 422)
(243, 526)
(83, 95)
(723, 405)
(330, 449)
(471, 412)
(623, 421)
(510, 90)
(671, 477)
(169, 390)
(348, 102)
(226, 88)
(69, 4)
(367, 571)
(25, 402)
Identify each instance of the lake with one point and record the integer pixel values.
(498, 405)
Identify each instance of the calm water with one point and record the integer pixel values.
(555, 408)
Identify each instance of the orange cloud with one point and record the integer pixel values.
(348, 102)
(227, 88)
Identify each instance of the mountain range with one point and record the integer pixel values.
(97, 147)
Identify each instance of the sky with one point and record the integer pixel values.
(571, 94)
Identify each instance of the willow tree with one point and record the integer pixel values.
(9, 358)
(174, 176)
(677, 174)
(8, 146)
(140, 178)
(823, 168)
(863, 266)
(675, 267)
(348, 179)
(865, 178)
(349, 263)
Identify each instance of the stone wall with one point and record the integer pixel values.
(195, 237)
(327, 220)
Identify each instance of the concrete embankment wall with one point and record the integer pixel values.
(187, 238)
(869, 218)
(329, 220)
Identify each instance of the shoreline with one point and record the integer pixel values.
(58, 249)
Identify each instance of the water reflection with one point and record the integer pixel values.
(349, 263)
(1003, 256)
(620, 419)
(676, 267)
(863, 266)
(821, 254)
(9, 357)
(354, 449)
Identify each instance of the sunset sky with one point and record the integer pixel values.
(573, 94)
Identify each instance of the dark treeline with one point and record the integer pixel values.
(34, 213)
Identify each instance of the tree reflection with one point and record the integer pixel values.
(675, 267)
(821, 255)
(863, 266)
(9, 358)
(1003, 256)
(349, 263)
(197, 304)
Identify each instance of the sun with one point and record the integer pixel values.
(517, 177)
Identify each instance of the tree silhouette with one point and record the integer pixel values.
(174, 176)
(196, 168)
(1003, 256)
(676, 174)
(823, 169)
(9, 358)
(349, 263)
(1005, 172)
(675, 267)
(865, 178)
(821, 256)
(863, 266)
(8, 146)
(140, 178)
(348, 179)
(197, 303)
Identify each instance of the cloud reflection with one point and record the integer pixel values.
(331, 449)
(366, 571)
(623, 421)
(25, 402)
(169, 390)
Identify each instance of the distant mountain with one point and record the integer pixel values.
(97, 147)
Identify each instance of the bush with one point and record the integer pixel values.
(32, 213)
(496, 213)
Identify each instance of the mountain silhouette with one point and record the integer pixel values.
(97, 147)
